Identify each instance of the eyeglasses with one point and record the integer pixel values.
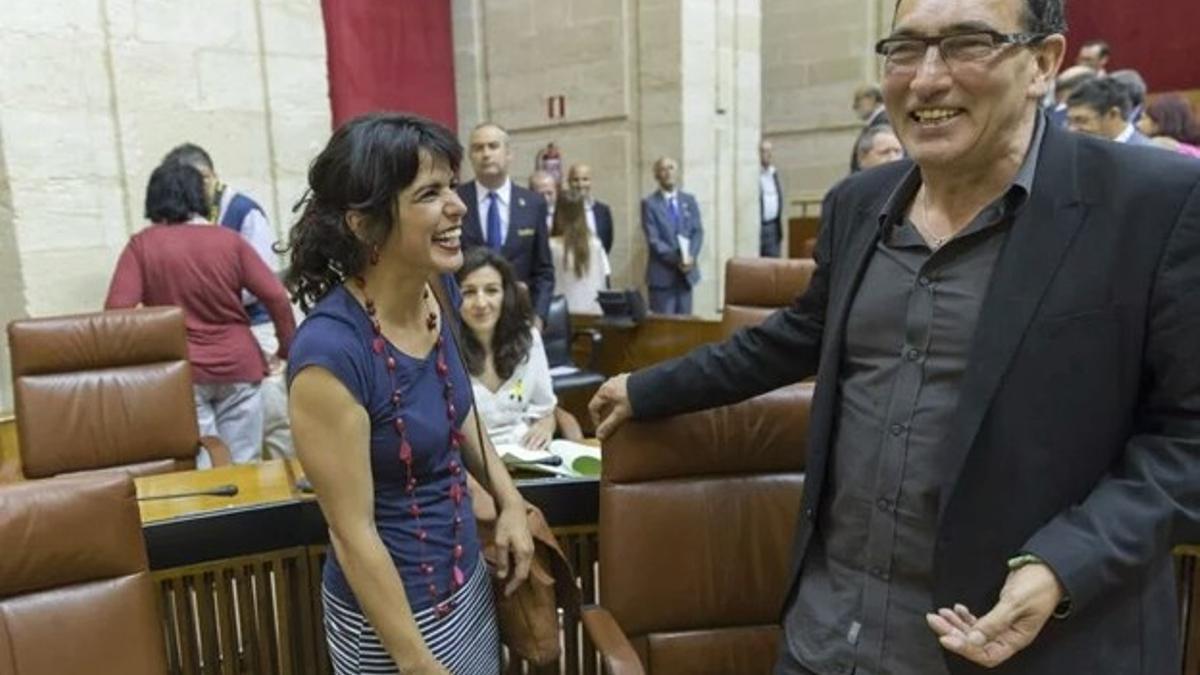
(902, 55)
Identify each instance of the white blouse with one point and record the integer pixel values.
(580, 292)
(521, 400)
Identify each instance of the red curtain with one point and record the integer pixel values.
(1157, 38)
(390, 55)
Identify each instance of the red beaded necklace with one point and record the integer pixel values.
(458, 480)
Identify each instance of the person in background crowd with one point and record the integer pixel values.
(543, 183)
(599, 216)
(381, 407)
(580, 264)
(674, 234)
(182, 259)
(507, 218)
(1169, 122)
(239, 212)
(504, 354)
(770, 204)
(1135, 87)
(878, 145)
(1006, 420)
(1094, 54)
(1101, 108)
(868, 106)
(1068, 81)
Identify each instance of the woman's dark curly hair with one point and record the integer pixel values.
(511, 339)
(175, 194)
(366, 164)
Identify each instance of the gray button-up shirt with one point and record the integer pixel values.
(867, 578)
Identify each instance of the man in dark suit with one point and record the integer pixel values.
(671, 221)
(868, 106)
(599, 216)
(1005, 432)
(1101, 107)
(507, 217)
(770, 204)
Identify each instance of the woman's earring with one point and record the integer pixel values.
(375, 255)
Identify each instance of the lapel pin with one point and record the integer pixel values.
(521, 202)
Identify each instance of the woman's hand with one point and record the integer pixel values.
(513, 538)
(539, 434)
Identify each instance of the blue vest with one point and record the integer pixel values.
(240, 207)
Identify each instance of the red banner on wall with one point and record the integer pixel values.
(390, 55)
(1158, 39)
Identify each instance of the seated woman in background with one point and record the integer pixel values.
(1169, 122)
(581, 267)
(504, 353)
(184, 260)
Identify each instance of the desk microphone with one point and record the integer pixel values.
(229, 490)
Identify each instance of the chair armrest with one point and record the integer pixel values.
(217, 451)
(595, 337)
(619, 657)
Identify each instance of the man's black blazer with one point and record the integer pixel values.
(1077, 434)
(527, 244)
(604, 225)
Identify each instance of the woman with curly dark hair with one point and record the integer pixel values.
(505, 355)
(380, 402)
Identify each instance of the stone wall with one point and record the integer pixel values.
(94, 92)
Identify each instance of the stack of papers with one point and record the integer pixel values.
(561, 458)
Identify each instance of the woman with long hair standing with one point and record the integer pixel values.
(581, 267)
(381, 407)
(182, 259)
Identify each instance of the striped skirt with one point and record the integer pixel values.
(466, 642)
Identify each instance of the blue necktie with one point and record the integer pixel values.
(673, 208)
(493, 223)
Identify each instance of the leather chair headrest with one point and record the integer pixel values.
(769, 433)
(98, 340)
(62, 531)
(766, 282)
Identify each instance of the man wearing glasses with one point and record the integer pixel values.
(1005, 433)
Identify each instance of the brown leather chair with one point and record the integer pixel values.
(697, 516)
(75, 596)
(756, 287)
(108, 390)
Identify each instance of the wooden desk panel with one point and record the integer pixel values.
(10, 455)
(800, 230)
(657, 339)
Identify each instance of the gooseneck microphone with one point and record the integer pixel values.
(228, 490)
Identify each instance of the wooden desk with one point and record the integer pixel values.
(258, 485)
(239, 578)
